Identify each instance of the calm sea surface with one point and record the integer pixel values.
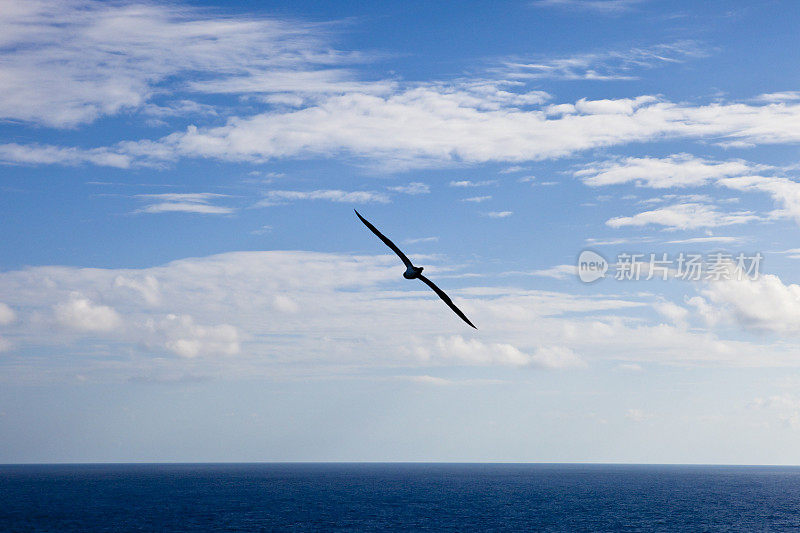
(410, 497)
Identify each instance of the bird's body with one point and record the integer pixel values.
(415, 272)
(412, 272)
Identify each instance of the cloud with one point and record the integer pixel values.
(683, 217)
(331, 195)
(784, 192)
(476, 199)
(499, 214)
(698, 240)
(603, 66)
(7, 315)
(37, 154)
(676, 314)
(556, 272)
(70, 62)
(786, 406)
(185, 203)
(414, 187)
(469, 183)
(83, 315)
(678, 170)
(764, 304)
(434, 125)
(222, 316)
(421, 240)
(473, 351)
(182, 336)
(785, 96)
(594, 6)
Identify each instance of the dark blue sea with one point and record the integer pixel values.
(404, 497)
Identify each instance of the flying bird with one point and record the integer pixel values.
(414, 272)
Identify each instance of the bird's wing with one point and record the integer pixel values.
(386, 241)
(446, 299)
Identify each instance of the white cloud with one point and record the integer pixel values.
(470, 183)
(676, 314)
(678, 170)
(420, 240)
(70, 62)
(473, 351)
(595, 6)
(499, 214)
(785, 406)
(603, 66)
(698, 240)
(7, 315)
(556, 272)
(684, 216)
(785, 96)
(476, 199)
(182, 336)
(414, 187)
(764, 304)
(185, 203)
(82, 314)
(146, 286)
(37, 154)
(314, 312)
(784, 192)
(331, 195)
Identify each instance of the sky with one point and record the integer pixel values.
(183, 277)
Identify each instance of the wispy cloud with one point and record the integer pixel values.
(594, 6)
(470, 183)
(199, 203)
(331, 195)
(414, 187)
(476, 199)
(499, 214)
(421, 240)
(114, 56)
(604, 66)
(683, 217)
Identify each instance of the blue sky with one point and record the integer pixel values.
(184, 279)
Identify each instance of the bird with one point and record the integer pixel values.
(414, 272)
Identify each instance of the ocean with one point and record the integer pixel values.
(399, 497)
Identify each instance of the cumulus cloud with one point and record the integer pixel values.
(764, 304)
(222, 316)
(182, 336)
(82, 314)
(683, 217)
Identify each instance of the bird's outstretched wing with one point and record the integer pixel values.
(446, 299)
(386, 241)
